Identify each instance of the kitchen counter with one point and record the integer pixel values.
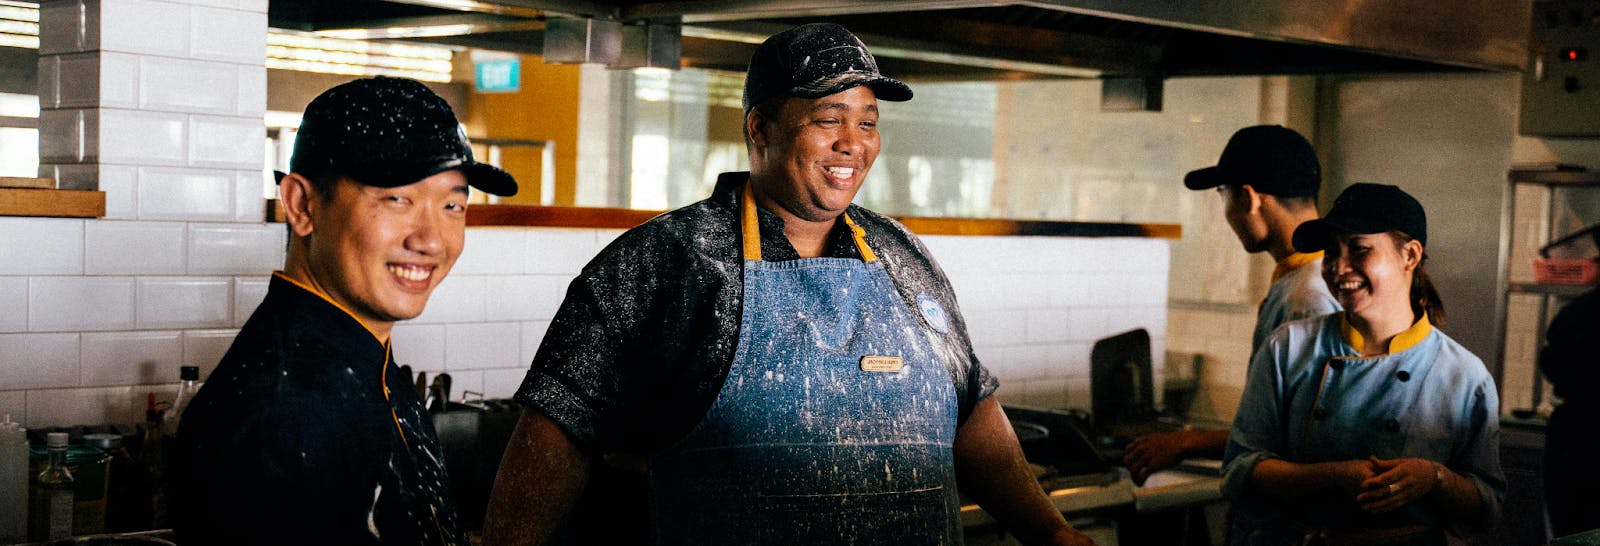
(1072, 495)
(1194, 484)
(1184, 486)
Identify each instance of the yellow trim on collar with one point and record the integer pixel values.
(308, 288)
(750, 227)
(1402, 341)
(1293, 262)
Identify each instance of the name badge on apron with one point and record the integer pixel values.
(881, 364)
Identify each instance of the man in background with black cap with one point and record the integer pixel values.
(779, 365)
(1268, 177)
(307, 433)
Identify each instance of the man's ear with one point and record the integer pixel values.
(1249, 192)
(298, 197)
(755, 125)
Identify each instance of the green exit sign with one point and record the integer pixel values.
(499, 75)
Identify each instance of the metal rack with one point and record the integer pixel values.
(1555, 183)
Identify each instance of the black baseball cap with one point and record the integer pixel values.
(388, 132)
(1365, 208)
(814, 61)
(1272, 159)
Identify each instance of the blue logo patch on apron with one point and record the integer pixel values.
(934, 313)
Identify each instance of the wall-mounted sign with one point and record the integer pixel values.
(499, 75)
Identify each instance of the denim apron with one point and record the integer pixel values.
(834, 425)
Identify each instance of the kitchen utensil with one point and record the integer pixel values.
(444, 389)
(422, 386)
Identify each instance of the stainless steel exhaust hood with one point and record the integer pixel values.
(991, 40)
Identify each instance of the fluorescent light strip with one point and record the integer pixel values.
(359, 59)
(13, 40)
(352, 70)
(303, 41)
(19, 27)
(19, 12)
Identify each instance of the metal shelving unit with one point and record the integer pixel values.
(1556, 184)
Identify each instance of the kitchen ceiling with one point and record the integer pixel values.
(989, 40)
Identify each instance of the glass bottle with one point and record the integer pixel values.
(14, 477)
(50, 498)
(155, 463)
(189, 377)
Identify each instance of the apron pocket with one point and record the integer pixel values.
(905, 517)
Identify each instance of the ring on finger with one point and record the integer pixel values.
(1394, 488)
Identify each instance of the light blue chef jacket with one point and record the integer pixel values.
(1427, 398)
(1297, 292)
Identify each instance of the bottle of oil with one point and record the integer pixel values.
(155, 462)
(14, 478)
(50, 497)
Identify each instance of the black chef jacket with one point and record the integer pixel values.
(307, 433)
(640, 346)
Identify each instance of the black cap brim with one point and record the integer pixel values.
(483, 176)
(1204, 179)
(1315, 235)
(884, 87)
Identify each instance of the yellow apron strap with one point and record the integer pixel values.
(860, 235)
(749, 226)
(751, 229)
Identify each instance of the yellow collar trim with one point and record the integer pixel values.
(1402, 341)
(750, 227)
(1293, 262)
(308, 288)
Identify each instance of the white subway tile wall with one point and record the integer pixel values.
(184, 85)
(41, 246)
(235, 249)
(185, 302)
(187, 194)
(160, 107)
(248, 292)
(57, 304)
(1033, 326)
(134, 248)
(13, 304)
(38, 361)
(203, 348)
(130, 358)
(134, 20)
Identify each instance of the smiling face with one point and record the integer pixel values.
(812, 156)
(380, 252)
(1370, 274)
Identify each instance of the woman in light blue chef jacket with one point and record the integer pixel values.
(1368, 426)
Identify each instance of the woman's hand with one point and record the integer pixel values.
(1396, 483)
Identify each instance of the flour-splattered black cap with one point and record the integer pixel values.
(814, 61)
(388, 132)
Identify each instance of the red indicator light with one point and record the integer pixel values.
(1574, 54)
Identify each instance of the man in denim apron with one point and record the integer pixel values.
(782, 366)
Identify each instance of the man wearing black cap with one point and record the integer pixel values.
(307, 433)
(1268, 177)
(781, 365)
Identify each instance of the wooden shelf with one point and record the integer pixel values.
(52, 203)
(1564, 290)
(1556, 178)
(597, 217)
